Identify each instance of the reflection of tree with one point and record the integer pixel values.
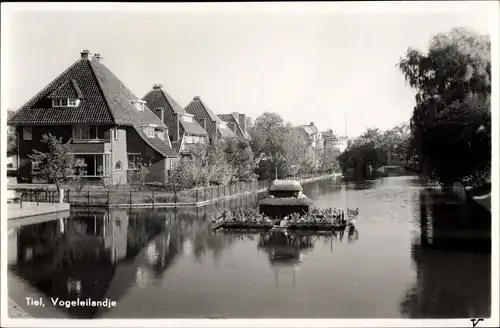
(452, 276)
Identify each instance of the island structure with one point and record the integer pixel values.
(285, 198)
(285, 208)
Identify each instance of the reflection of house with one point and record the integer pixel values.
(215, 127)
(237, 123)
(184, 131)
(88, 106)
(333, 142)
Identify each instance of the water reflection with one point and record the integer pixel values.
(169, 262)
(452, 260)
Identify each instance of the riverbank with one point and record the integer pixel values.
(152, 196)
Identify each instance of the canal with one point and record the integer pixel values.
(416, 252)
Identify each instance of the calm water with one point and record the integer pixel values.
(414, 253)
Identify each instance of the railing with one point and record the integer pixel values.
(127, 197)
(101, 197)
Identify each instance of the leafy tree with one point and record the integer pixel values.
(58, 165)
(298, 153)
(11, 136)
(451, 122)
(268, 133)
(240, 156)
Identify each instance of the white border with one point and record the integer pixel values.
(491, 7)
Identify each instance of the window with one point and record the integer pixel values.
(133, 161)
(27, 133)
(115, 133)
(118, 165)
(65, 102)
(139, 104)
(160, 134)
(88, 132)
(149, 131)
(188, 139)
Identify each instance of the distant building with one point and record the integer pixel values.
(184, 130)
(108, 127)
(313, 135)
(237, 123)
(215, 127)
(334, 142)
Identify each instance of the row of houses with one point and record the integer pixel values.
(321, 141)
(111, 129)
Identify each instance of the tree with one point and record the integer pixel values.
(451, 122)
(11, 136)
(58, 165)
(268, 133)
(298, 153)
(137, 176)
(240, 156)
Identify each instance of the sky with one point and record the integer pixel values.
(317, 65)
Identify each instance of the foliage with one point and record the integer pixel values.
(298, 154)
(57, 166)
(106, 180)
(137, 176)
(208, 166)
(451, 122)
(240, 156)
(11, 136)
(268, 133)
(78, 181)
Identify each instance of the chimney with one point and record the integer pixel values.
(242, 120)
(159, 114)
(85, 54)
(311, 124)
(175, 132)
(203, 123)
(196, 98)
(213, 134)
(158, 87)
(97, 57)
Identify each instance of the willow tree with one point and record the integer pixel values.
(451, 122)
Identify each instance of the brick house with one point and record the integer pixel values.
(106, 124)
(215, 127)
(237, 123)
(184, 130)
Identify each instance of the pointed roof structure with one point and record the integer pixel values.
(104, 99)
(198, 108)
(159, 98)
(69, 89)
(233, 121)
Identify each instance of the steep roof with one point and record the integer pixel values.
(198, 108)
(310, 129)
(157, 144)
(104, 100)
(226, 132)
(70, 89)
(159, 98)
(229, 118)
(200, 111)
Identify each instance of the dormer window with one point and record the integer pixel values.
(65, 102)
(160, 134)
(139, 104)
(149, 131)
